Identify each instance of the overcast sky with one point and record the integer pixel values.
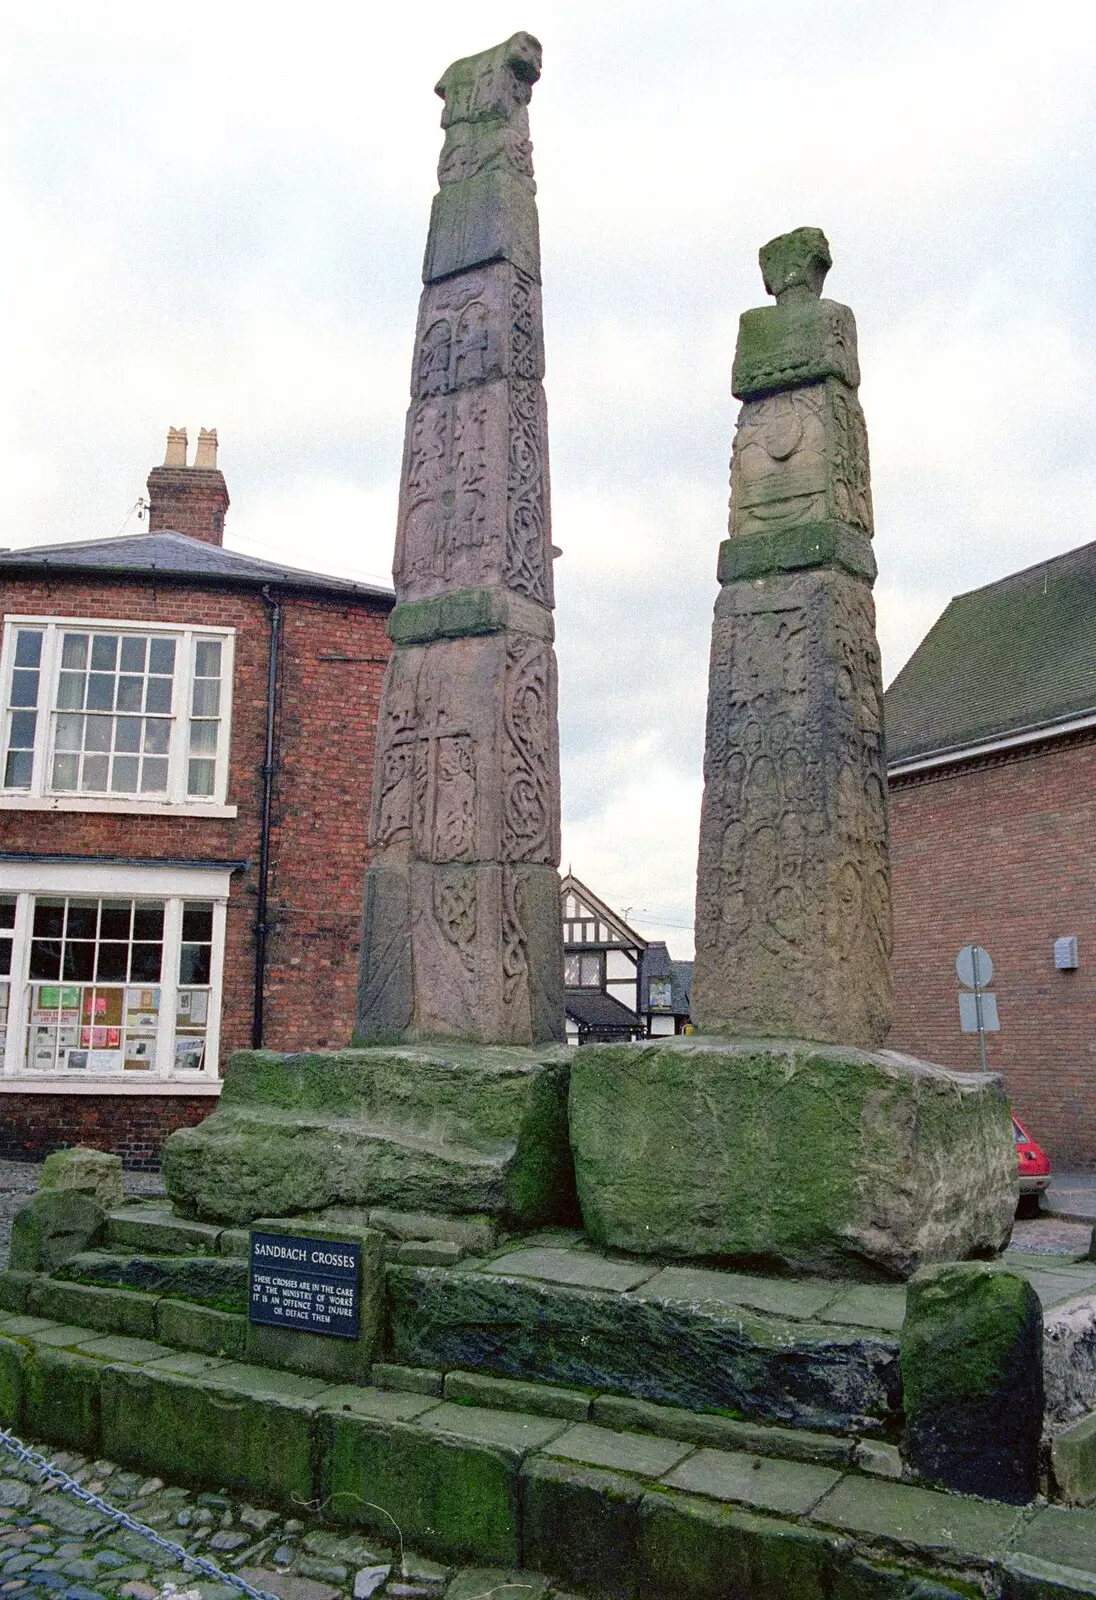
(215, 218)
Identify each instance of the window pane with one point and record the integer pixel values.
(207, 658)
(104, 651)
(157, 735)
(65, 772)
(161, 655)
(154, 775)
(100, 692)
(206, 700)
(70, 691)
(79, 962)
(97, 731)
(129, 694)
(23, 724)
(24, 687)
(95, 773)
(123, 775)
(194, 963)
(45, 958)
(70, 732)
(5, 970)
(83, 919)
(158, 694)
(74, 650)
(18, 768)
(145, 963)
(28, 648)
(200, 775)
(198, 921)
(114, 919)
(113, 961)
(148, 922)
(127, 735)
(133, 653)
(49, 919)
(571, 971)
(7, 913)
(203, 738)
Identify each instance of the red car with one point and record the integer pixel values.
(1033, 1167)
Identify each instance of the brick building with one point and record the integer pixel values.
(991, 736)
(187, 750)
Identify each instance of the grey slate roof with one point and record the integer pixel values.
(595, 1009)
(176, 555)
(1015, 656)
(657, 962)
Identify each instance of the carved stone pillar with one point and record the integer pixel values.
(793, 916)
(461, 935)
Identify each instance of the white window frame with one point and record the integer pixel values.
(94, 880)
(176, 802)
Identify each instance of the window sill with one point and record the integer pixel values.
(152, 1086)
(128, 808)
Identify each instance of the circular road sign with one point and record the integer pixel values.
(964, 965)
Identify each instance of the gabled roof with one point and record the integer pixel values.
(592, 1008)
(178, 556)
(592, 910)
(1016, 658)
(657, 963)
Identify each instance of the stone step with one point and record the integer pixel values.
(617, 1510)
(219, 1282)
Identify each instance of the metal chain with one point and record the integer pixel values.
(58, 1476)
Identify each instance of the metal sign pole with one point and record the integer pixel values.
(974, 952)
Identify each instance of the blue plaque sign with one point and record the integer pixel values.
(307, 1284)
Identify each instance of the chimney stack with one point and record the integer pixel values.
(191, 500)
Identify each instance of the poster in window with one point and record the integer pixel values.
(142, 1010)
(104, 1060)
(189, 1054)
(139, 1053)
(77, 1059)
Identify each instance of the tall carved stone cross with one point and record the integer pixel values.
(461, 933)
(793, 909)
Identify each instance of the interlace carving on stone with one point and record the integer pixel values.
(515, 963)
(526, 774)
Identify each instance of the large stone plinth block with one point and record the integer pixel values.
(446, 1128)
(816, 1159)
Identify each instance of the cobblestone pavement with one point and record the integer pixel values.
(20, 1178)
(54, 1548)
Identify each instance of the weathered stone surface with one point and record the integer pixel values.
(793, 929)
(61, 1399)
(692, 1547)
(972, 1380)
(51, 1226)
(218, 1281)
(161, 1230)
(93, 1172)
(447, 1128)
(201, 1328)
(112, 1310)
(802, 1155)
(13, 1359)
(1073, 1456)
(461, 933)
(697, 1356)
(582, 1525)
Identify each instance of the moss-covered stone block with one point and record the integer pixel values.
(709, 1551)
(971, 1352)
(454, 1128)
(61, 1399)
(201, 1328)
(813, 1158)
(210, 1431)
(1028, 1578)
(93, 1172)
(14, 1288)
(454, 1497)
(51, 1226)
(582, 1525)
(112, 1310)
(145, 1229)
(13, 1359)
(217, 1281)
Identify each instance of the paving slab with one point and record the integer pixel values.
(905, 1515)
(394, 1406)
(17, 1327)
(782, 1297)
(62, 1334)
(578, 1268)
(869, 1305)
(513, 1394)
(620, 1452)
(1064, 1536)
(187, 1363)
(419, 1380)
(728, 1433)
(268, 1381)
(756, 1481)
(514, 1430)
(117, 1348)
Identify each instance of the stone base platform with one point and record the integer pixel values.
(613, 1498)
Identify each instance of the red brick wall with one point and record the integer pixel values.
(1002, 852)
(325, 735)
(131, 1126)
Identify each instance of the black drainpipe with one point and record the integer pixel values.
(264, 836)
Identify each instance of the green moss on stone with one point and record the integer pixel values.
(708, 1551)
(13, 1359)
(61, 1399)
